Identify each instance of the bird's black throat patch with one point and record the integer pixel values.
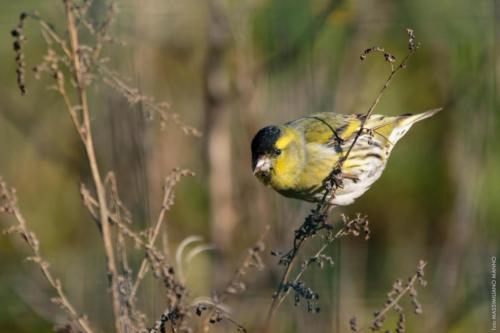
(264, 141)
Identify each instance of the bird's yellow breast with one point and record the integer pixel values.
(285, 173)
(302, 173)
(320, 161)
(291, 161)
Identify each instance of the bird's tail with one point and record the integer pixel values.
(405, 122)
(412, 119)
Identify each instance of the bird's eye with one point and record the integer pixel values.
(277, 151)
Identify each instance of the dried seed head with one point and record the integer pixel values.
(412, 45)
(353, 324)
(19, 39)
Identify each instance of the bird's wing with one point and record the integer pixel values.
(334, 129)
(327, 127)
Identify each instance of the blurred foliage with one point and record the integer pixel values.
(437, 200)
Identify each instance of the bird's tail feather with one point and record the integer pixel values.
(405, 122)
(412, 119)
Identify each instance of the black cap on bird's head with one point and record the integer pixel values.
(263, 145)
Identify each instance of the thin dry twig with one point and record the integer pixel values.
(151, 105)
(411, 49)
(233, 287)
(354, 227)
(93, 207)
(167, 202)
(397, 292)
(133, 320)
(91, 64)
(88, 142)
(251, 260)
(8, 204)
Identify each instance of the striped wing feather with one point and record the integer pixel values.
(327, 127)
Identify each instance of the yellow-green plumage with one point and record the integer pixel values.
(296, 158)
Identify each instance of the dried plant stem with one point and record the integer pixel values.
(339, 234)
(393, 303)
(277, 299)
(32, 241)
(167, 201)
(98, 183)
(393, 73)
(92, 204)
(278, 296)
(248, 261)
(144, 265)
(59, 41)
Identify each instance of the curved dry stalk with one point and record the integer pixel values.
(182, 246)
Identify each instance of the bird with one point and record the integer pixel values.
(297, 159)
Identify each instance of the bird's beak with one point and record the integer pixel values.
(262, 166)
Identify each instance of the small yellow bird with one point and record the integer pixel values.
(297, 158)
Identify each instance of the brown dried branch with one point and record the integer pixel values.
(353, 227)
(8, 204)
(123, 225)
(233, 287)
(133, 96)
(115, 203)
(252, 260)
(90, 62)
(50, 32)
(411, 49)
(397, 292)
(167, 202)
(88, 142)
(133, 320)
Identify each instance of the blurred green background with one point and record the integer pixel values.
(230, 68)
